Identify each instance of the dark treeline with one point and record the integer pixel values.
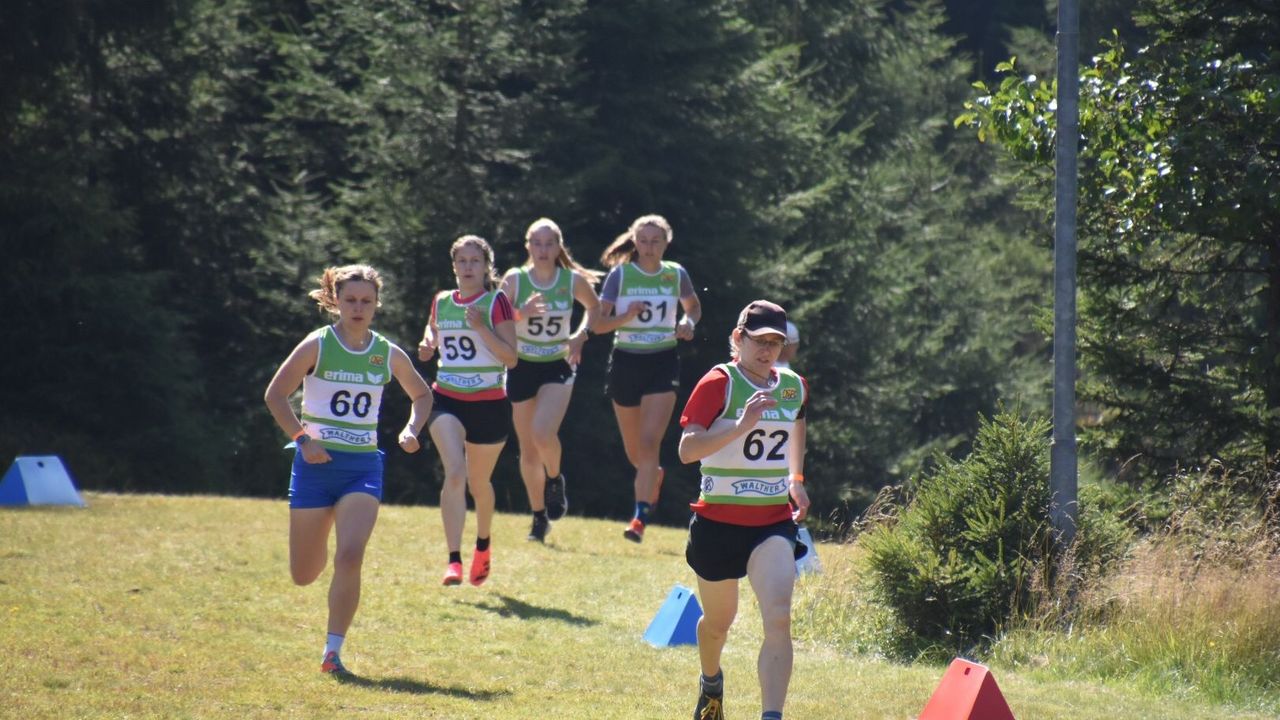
(174, 174)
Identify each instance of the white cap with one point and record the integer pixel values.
(793, 333)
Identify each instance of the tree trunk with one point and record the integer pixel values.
(1272, 350)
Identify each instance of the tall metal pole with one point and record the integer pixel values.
(1063, 510)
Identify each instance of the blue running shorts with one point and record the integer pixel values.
(323, 484)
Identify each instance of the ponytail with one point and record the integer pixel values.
(332, 280)
(623, 248)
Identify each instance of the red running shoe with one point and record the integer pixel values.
(453, 574)
(480, 567)
(634, 531)
(332, 665)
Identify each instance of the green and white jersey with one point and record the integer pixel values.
(465, 364)
(342, 395)
(753, 469)
(655, 328)
(545, 337)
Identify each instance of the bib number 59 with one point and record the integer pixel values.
(459, 347)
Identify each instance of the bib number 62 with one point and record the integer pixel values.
(753, 448)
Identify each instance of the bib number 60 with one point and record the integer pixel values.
(342, 403)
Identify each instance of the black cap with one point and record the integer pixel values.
(761, 317)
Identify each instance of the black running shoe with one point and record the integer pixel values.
(555, 498)
(710, 707)
(539, 530)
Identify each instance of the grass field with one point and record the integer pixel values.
(168, 607)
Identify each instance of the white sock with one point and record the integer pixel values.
(333, 643)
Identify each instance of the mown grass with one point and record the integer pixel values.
(162, 607)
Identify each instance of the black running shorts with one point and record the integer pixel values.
(485, 422)
(634, 375)
(720, 551)
(524, 380)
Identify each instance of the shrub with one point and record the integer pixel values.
(960, 556)
(1111, 517)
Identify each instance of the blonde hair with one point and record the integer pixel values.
(564, 260)
(735, 342)
(491, 279)
(332, 280)
(623, 248)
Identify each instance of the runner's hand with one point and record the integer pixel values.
(635, 309)
(576, 342)
(313, 453)
(534, 306)
(409, 440)
(799, 498)
(427, 347)
(759, 401)
(684, 329)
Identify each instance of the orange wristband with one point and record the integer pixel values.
(517, 314)
(797, 477)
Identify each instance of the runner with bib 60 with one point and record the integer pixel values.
(337, 469)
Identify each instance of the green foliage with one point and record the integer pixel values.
(1180, 287)
(1111, 517)
(214, 157)
(959, 559)
(890, 263)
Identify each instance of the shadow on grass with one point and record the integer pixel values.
(511, 607)
(609, 552)
(417, 687)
